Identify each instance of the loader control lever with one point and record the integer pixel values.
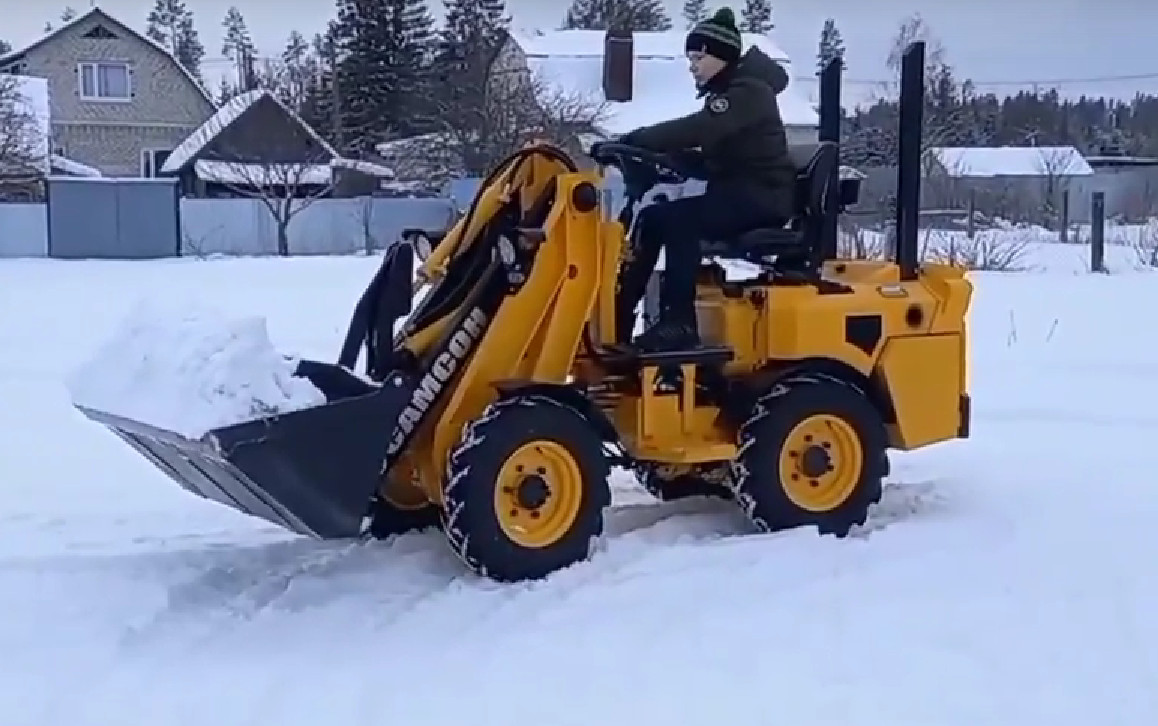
(634, 162)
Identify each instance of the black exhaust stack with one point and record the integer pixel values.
(910, 126)
(830, 119)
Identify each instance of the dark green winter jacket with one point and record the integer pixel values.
(739, 132)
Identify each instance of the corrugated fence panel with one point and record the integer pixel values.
(23, 230)
(226, 227)
(112, 218)
(323, 227)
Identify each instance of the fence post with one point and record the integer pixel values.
(970, 224)
(1098, 232)
(1063, 234)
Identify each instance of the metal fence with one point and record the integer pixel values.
(1131, 194)
(142, 219)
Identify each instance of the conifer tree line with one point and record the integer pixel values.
(957, 113)
(385, 69)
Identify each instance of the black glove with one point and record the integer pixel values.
(629, 139)
(690, 163)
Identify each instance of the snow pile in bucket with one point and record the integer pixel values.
(189, 371)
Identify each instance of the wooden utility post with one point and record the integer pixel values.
(1098, 232)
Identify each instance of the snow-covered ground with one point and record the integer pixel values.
(1004, 580)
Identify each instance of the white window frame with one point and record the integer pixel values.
(93, 67)
(149, 159)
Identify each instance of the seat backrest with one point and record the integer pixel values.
(814, 178)
(801, 154)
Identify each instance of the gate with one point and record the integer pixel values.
(125, 219)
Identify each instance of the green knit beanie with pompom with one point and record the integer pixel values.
(717, 36)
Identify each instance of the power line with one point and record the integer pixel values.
(1027, 82)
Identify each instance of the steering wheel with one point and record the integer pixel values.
(633, 161)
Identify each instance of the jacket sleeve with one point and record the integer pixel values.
(722, 115)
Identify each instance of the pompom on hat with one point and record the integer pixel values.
(717, 36)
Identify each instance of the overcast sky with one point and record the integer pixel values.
(999, 43)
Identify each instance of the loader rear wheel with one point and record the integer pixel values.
(811, 453)
(525, 490)
(669, 484)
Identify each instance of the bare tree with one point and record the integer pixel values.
(284, 188)
(512, 107)
(1056, 165)
(21, 139)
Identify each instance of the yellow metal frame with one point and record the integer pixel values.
(545, 333)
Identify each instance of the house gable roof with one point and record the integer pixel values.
(229, 114)
(571, 61)
(102, 16)
(1023, 161)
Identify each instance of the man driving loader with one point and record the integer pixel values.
(742, 154)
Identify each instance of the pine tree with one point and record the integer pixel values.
(642, 15)
(383, 67)
(831, 46)
(298, 67)
(694, 12)
(756, 17)
(5, 47)
(321, 105)
(237, 45)
(170, 23)
(471, 39)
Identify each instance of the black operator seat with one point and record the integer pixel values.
(816, 172)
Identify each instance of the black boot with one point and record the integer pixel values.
(675, 330)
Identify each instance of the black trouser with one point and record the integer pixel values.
(677, 227)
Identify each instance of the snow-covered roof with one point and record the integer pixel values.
(196, 142)
(33, 93)
(71, 167)
(980, 161)
(369, 168)
(571, 62)
(263, 175)
(96, 11)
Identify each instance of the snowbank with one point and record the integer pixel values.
(189, 371)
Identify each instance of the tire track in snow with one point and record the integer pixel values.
(397, 579)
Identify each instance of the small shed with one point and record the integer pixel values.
(255, 144)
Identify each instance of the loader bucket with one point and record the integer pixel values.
(311, 471)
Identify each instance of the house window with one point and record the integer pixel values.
(100, 32)
(105, 82)
(152, 160)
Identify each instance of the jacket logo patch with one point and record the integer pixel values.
(718, 105)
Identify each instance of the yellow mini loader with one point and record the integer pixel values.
(498, 407)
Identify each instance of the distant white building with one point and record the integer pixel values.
(1020, 183)
(973, 162)
(575, 63)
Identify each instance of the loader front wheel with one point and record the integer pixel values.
(525, 490)
(811, 453)
(388, 519)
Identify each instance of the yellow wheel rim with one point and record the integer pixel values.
(820, 463)
(538, 494)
